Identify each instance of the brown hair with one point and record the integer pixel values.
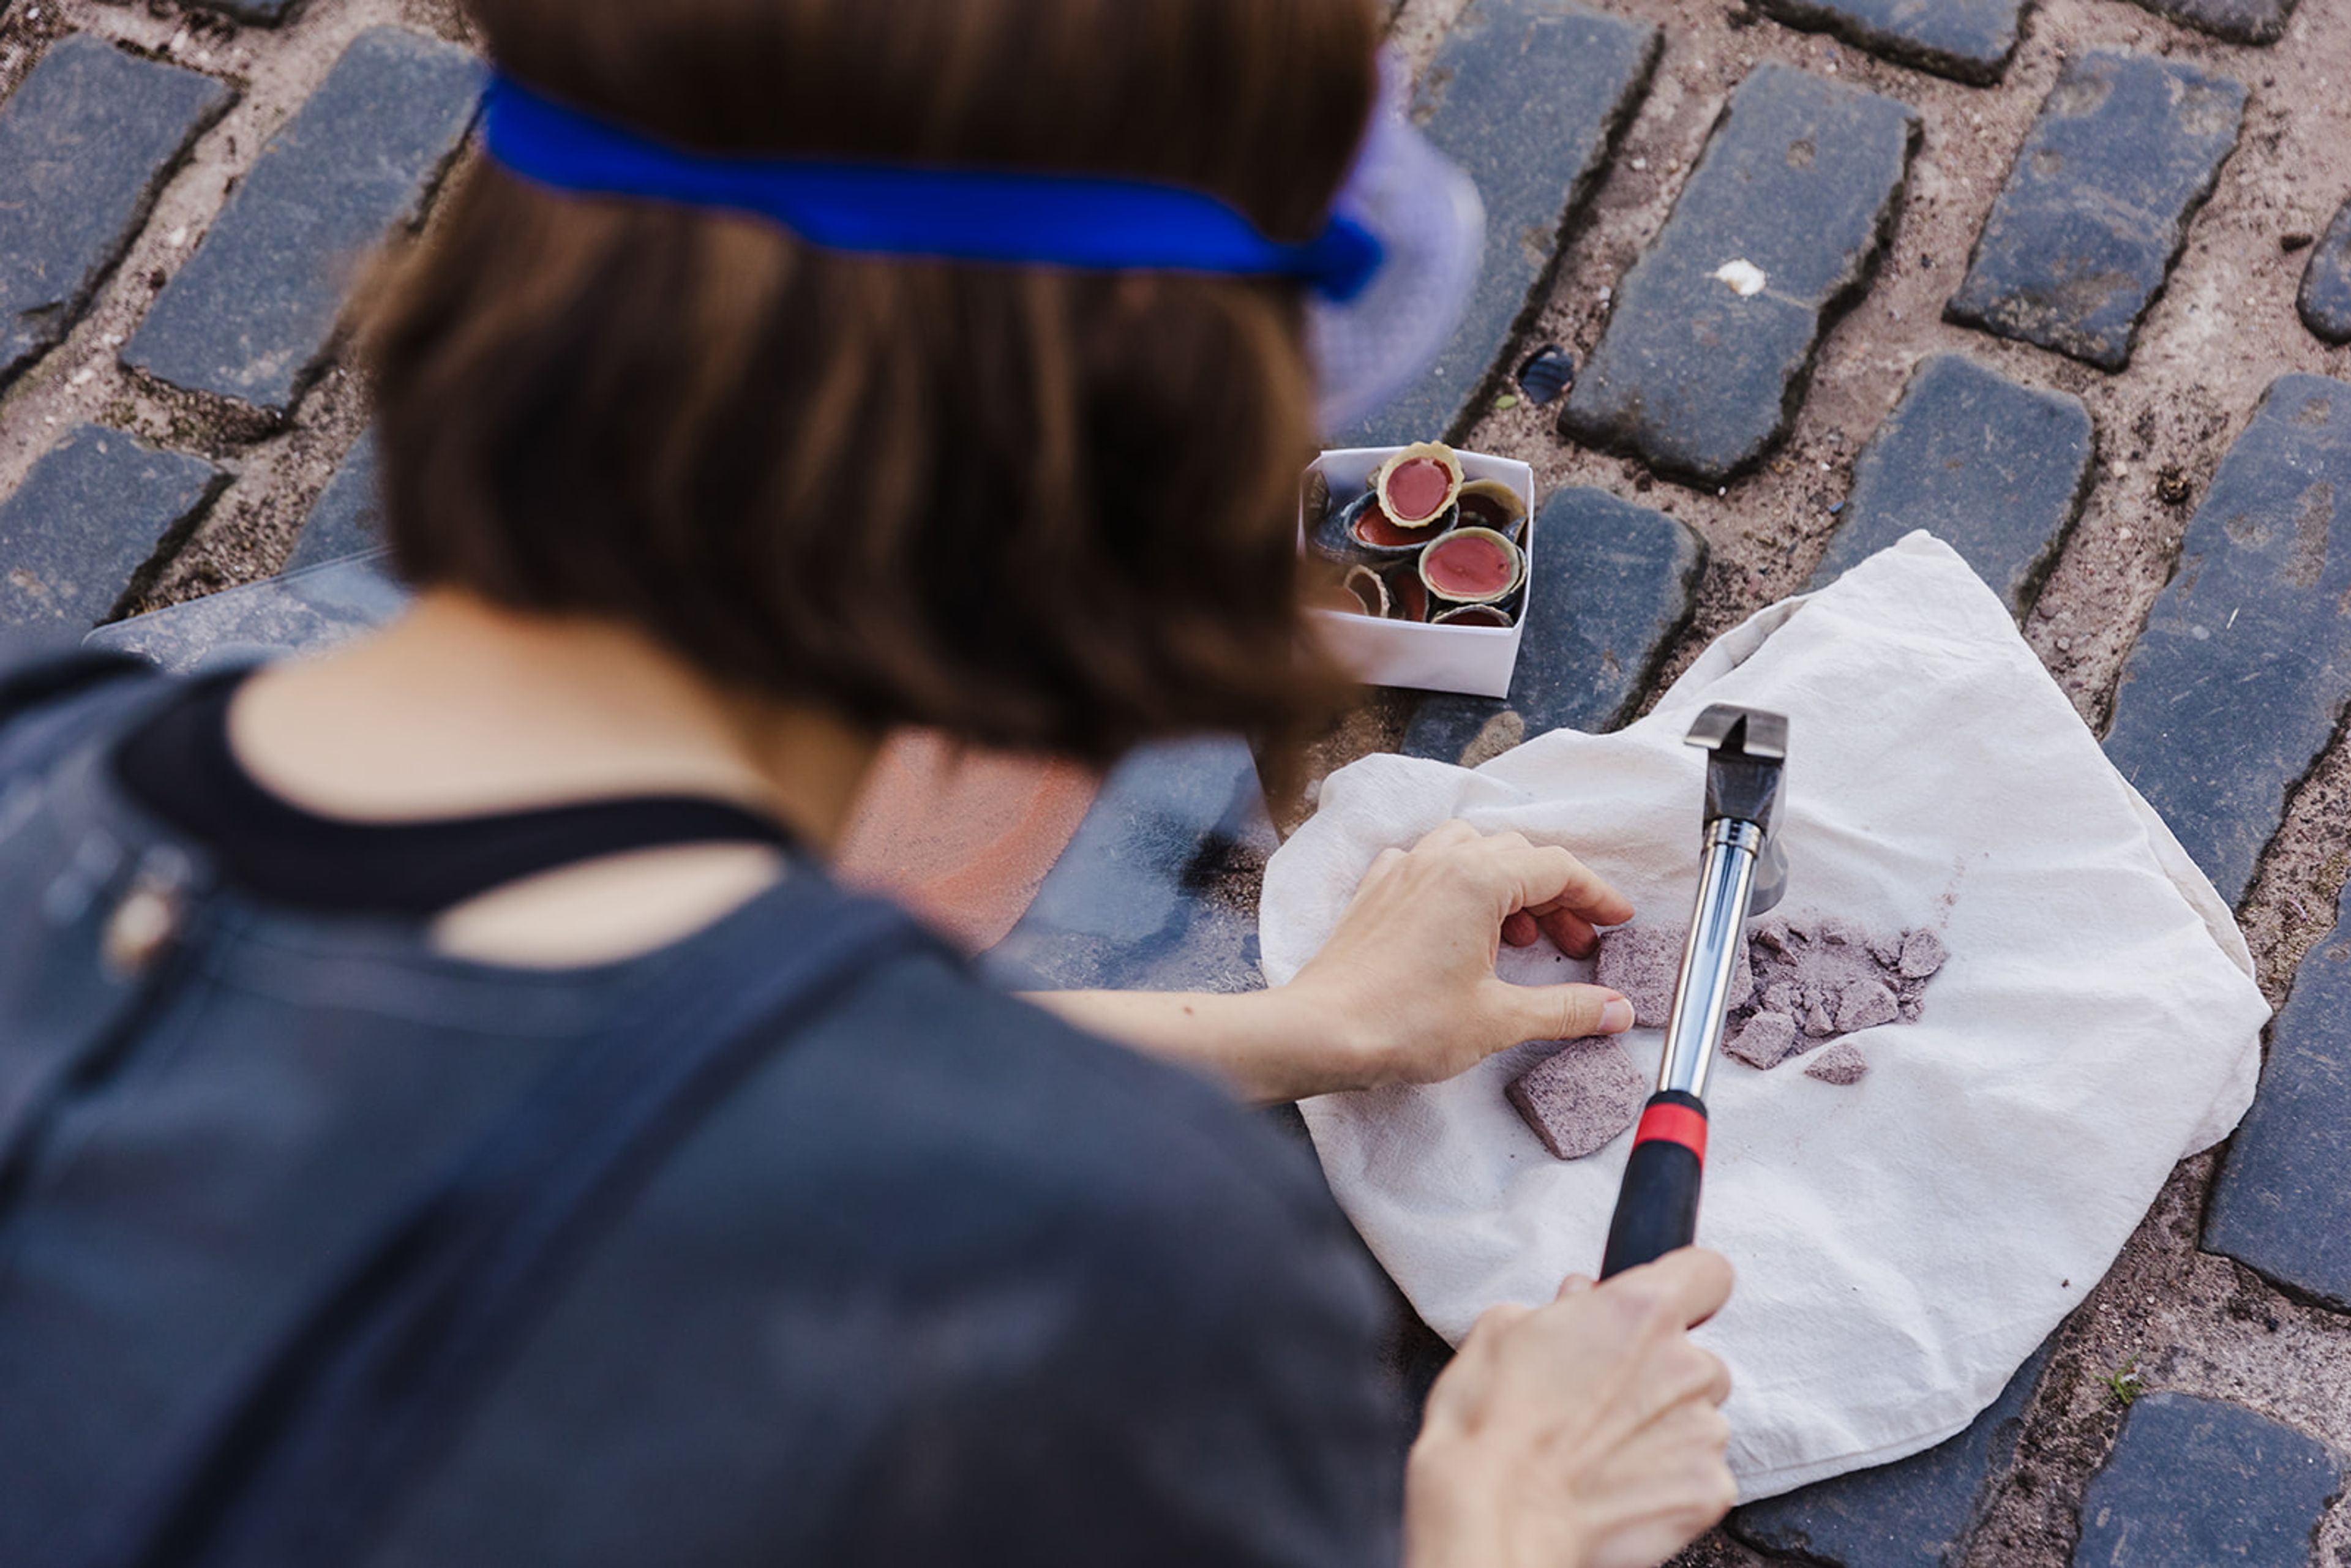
(1033, 507)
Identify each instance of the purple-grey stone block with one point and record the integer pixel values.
(1705, 359)
(1528, 97)
(252, 314)
(2241, 674)
(2083, 236)
(86, 142)
(88, 518)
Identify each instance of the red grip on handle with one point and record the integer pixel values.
(1673, 1125)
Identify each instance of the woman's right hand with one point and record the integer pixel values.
(1585, 1434)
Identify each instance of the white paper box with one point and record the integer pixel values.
(1477, 660)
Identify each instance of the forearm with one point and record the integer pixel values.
(1269, 1046)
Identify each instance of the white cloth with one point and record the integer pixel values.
(1904, 1244)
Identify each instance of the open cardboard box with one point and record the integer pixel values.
(1477, 660)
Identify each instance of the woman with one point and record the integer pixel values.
(452, 1120)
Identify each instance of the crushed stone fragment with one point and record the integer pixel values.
(1842, 1064)
(1765, 1040)
(1922, 953)
(1866, 1006)
(1579, 1100)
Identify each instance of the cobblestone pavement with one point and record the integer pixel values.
(2065, 282)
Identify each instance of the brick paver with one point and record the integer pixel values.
(1612, 588)
(1996, 470)
(300, 613)
(1917, 1512)
(87, 517)
(251, 314)
(2239, 21)
(348, 517)
(86, 142)
(2194, 1483)
(1144, 897)
(1527, 95)
(2282, 1204)
(1703, 362)
(2326, 294)
(2083, 236)
(2243, 669)
(1968, 40)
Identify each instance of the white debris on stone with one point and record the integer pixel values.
(1744, 275)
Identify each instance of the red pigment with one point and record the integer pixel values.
(1581, 1099)
(1417, 490)
(1374, 529)
(1470, 566)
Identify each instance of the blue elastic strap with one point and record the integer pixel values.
(957, 214)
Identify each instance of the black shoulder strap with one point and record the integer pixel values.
(303, 1462)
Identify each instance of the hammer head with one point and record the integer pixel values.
(1744, 778)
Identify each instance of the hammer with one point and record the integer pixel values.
(1744, 875)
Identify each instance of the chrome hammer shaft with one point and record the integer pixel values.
(1743, 873)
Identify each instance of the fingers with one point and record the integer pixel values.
(1542, 878)
(1575, 1285)
(1520, 930)
(1571, 932)
(1558, 1012)
(1685, 1286)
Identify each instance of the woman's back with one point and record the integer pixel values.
(941, 1280)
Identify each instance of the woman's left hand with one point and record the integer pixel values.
(1406, 982)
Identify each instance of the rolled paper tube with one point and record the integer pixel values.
(1490, 504)
(1417, 485)
(1407, 595)
(1474, 615)
(1370, 529)
(1472, 566)
(1369, 590)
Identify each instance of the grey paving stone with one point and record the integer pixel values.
(1968, 40)
(2325, 297)
(1527, 95)
(2081, 237)
(1157, 888)
(86, 144)
(348, 517)
(1800, 181)
(1917, 1512)
(2193, 1483)
(300, 611)
(1613, 585)
(261, 13)
(2239, 21)
(1995, 470)
(2237, 682)
(2282, 1206)
(251, 314)
(87, 517)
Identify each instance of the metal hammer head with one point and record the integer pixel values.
(1744, 778)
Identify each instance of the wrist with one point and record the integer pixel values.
(1331, 1047)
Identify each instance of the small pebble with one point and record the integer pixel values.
(1842, 1064)
(1867, 1006)
(1580, 1100)
(1546, 373)
(1766, 1041)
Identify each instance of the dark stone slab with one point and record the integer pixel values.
(1968, 40)
(1613, 585)
(251, 314)
(2325, 297)
(1157, 890)
(1801, 179)
(2083, 236)
(87, 517)
(1917, 1512)
(2282, 1206)
(260, 13)
(2193, 1483)
(348, 517)
(2238, 681)
(86, 144)
(1995, 470)
(2239, 21)
(302, 612)
(1528, 95)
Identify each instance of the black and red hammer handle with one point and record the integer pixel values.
(1657, 1208)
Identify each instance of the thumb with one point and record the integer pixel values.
(1562, 1012)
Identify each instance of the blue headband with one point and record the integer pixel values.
(958, 214)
